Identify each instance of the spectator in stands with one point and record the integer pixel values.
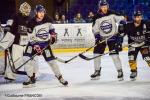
(126, 17)
(90, 17)
(78, 19)
(63, 19)
(57, 19)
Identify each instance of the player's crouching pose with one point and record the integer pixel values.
(104, 27)
(42, 35)
(17, 25)
(138, 32)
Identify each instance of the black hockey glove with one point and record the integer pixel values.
(121, 27)
(98, 38)
(119, 42)
(53, 38)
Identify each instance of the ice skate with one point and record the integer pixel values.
(133, 75)
(120, 75)
(96, 75)
(30, 83)
(62, 81)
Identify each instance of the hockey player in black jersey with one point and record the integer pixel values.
(104, 27)
(42, 35)
(17, 25)
(138, 32)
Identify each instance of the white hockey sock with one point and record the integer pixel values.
(55, 67)
(117, 61)
(29, 69)
(35, 64)
(97, 62)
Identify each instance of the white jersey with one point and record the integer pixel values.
(41, 33)
(107, 26)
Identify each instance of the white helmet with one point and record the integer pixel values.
(25, 9)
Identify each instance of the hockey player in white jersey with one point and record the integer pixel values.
(41, 35)
(104, 27)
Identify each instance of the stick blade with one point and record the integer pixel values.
(83, 57)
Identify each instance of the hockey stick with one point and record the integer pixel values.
(32, 58)
(66, 61)
(87, 58)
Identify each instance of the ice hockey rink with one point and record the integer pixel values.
(81, 87)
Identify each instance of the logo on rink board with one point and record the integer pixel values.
(74, 35)
(66, 32)
(78, 33)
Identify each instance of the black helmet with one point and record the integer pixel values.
(39, 8)
(137, 13)
(103, 3)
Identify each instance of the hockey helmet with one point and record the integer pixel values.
(25, 9)
(103, 3)
(137, 13)
(40, 8)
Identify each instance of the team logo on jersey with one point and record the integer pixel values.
(138, 33)
(106, 26)
(138, 39)
(42, 34)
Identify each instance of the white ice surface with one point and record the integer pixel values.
(77, 73)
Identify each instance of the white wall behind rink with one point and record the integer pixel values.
(74, 35)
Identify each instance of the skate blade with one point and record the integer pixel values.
(9, 81)
(133, 79)
(29, 86)
(96, 78)
(65, 85)
(120, 79)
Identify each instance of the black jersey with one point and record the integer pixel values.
(19, 28)
(137, 35)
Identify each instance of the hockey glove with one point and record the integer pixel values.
(98, 38)
(38, 49)
(121, 27)
(118, 44)
(53, 38)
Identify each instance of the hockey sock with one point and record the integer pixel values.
(97, 62)
(133, 65)
(117, 61)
